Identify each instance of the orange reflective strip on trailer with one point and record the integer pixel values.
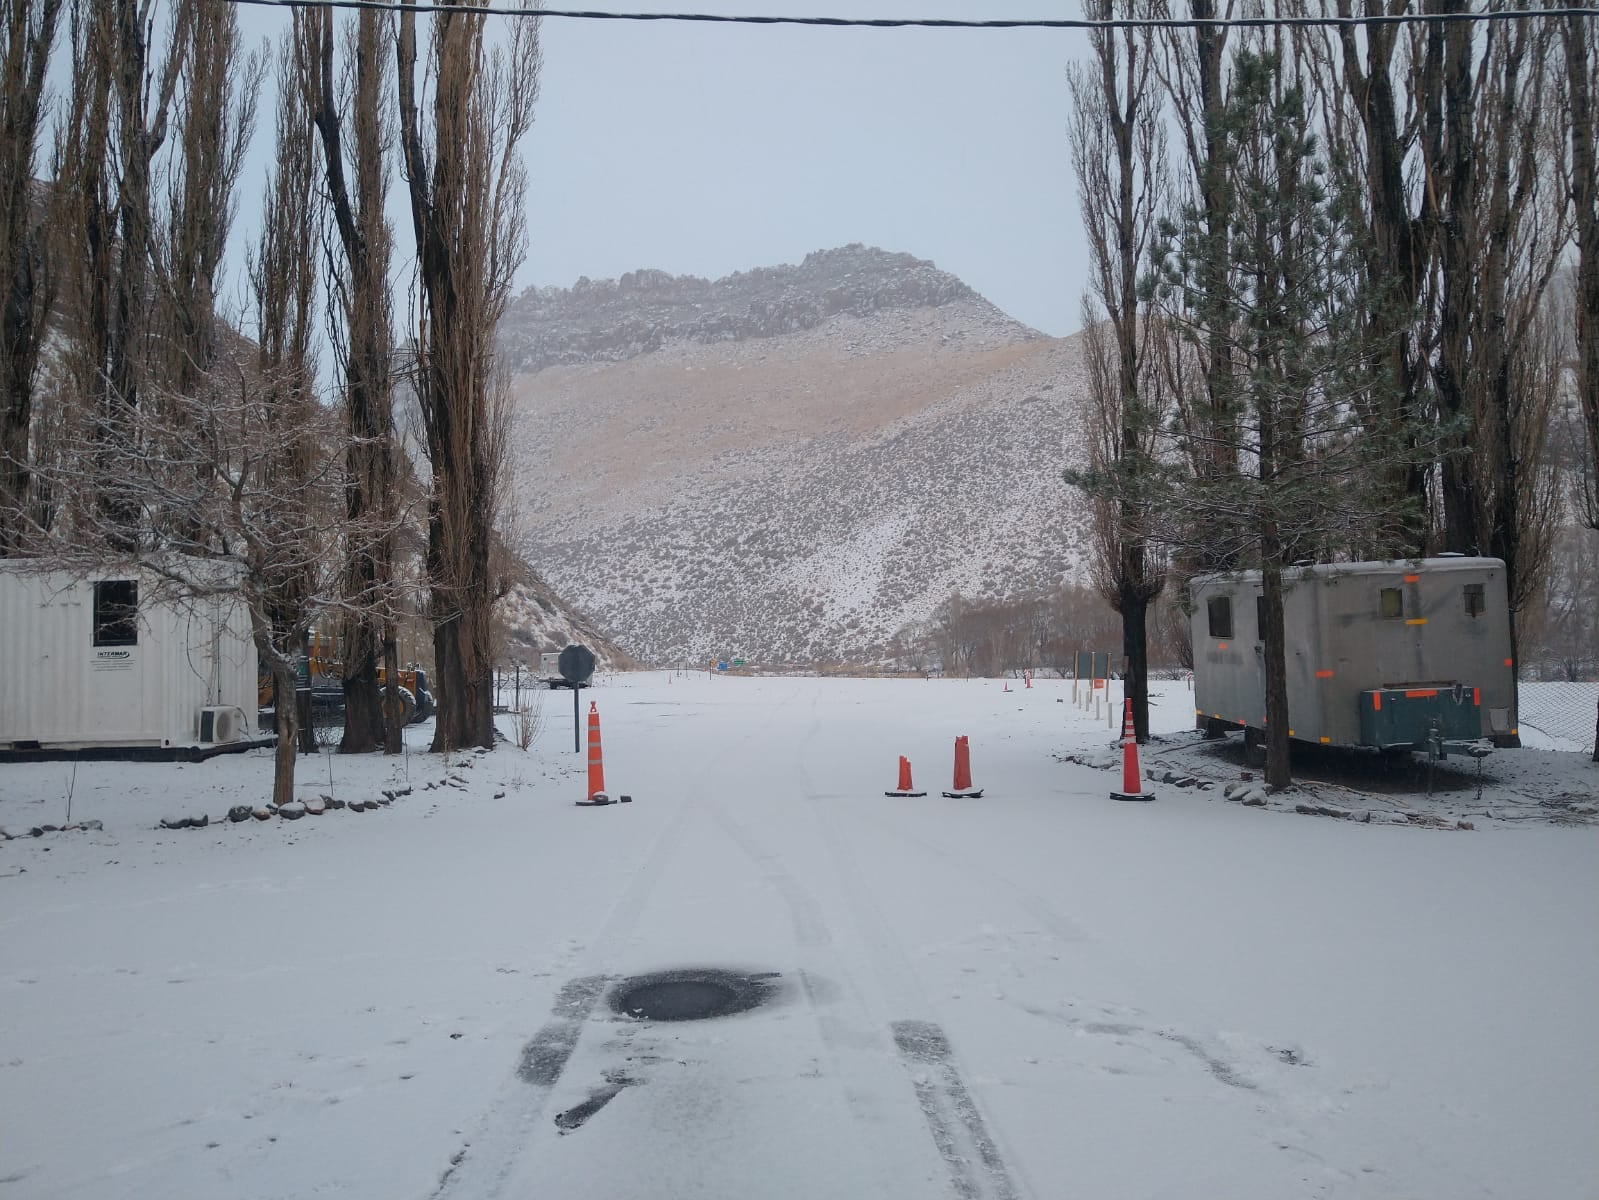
(1221, 645)
(1421, 693)
(1412, 578)
(1376, 701)
(1416, 621)
(1324, 674)
(1509, 663)
(1476, 696)
(1326, 741)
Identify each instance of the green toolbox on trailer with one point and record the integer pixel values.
(1416, 716)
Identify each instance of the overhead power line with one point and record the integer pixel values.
(579, 14)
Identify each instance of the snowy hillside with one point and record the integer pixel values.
(804, 496)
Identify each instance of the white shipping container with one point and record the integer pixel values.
(82, 669)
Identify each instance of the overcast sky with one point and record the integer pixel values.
(710, 149)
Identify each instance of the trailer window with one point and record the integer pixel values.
(1393, 603)
(1220, 609)
(1476, 601)
(116, 612)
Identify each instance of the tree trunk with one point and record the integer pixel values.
(1279, 771)
(285, 696)
(1135, 650)
(484, 714)
(465, 697)
(451, 728)
(363, 708)
(393, 730)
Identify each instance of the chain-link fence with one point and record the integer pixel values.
(1561, 710)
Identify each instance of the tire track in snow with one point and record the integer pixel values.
(849, 1032)
(504, 1134)
(822, 988)
(507, 1123)
(975, 1168)
(953, 1118)
(505, 1131)
(950, 1111)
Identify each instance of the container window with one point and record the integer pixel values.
(1476, 600)
(1393, 603)
(1220, 609)
(116, 612)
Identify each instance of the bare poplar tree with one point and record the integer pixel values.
(29, 29)
(122, 90)
(1377, 85)
(466, 185)
(1516, 353)
(356, 176)
(1118, 152)
(283, 279)
(214, 117)
(1581, 44)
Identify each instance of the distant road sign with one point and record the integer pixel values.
(721, 666)
(738, 662)
(577, 665)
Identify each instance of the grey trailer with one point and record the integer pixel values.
(1380, 654)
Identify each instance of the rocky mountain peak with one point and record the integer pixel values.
(610, 320)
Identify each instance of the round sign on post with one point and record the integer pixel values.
(576, 665)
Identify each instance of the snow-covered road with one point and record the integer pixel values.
(1040, 994)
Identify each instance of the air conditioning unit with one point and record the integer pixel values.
(219, 724)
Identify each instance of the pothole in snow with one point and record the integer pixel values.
(691, 994)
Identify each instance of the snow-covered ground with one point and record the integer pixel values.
(1041, 993)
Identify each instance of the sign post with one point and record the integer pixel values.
(577, 668)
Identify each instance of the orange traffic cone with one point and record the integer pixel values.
(596, 789)
(905, 787)
(1132, 782)
(1028, 676)
(1006, 688)
(963, 789)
